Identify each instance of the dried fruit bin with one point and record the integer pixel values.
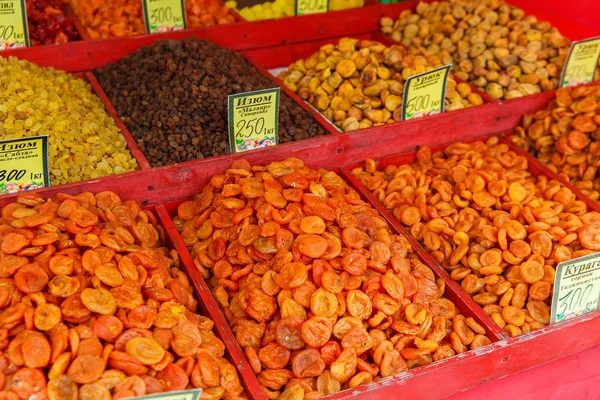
(277, 59)
(90, 55)
(94, 295)
(66, 152)
(452, 293)
(536, 169)
(492, 64)
(499, 359)
(51, 23)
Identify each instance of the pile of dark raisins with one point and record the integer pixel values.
(172, 96)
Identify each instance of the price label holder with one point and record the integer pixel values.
(424, 94)
(13, 24)
(253, 119)
(305, 7)
(581, 63)
(576, 287)
(23, 164)
(164, 15)
(192, 394)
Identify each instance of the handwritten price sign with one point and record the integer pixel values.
(582, 61)
(23, 164)
(13, 24)
(164, 15)
(576, 287)
(424, 94)
(305, 7)
(253, 119)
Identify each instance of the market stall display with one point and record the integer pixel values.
(175, 103)
(493, 45)
(84, 141)
(564, 137)
(360, 83)
(312, 280)
(357, 263)
(95, 307)
(497, 228)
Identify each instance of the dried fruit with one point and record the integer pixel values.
(563, 136)
(57, 104)
(503, 252)
(316, 285)
(359, 83)
(102, 322)
(493, 45)
(195, 86)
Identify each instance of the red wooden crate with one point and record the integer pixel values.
(499, 359)
(168, 183)
(181, 181)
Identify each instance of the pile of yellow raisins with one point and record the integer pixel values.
(84, 142)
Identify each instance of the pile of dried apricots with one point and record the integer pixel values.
(564, 136)
(498, 230)
(93, 307)
(319, 292)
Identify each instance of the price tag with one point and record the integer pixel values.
(576, 287)
(424, 94)
(164, 15)
(192, 394)
(581, 63)
(13, 24)
(253, 119)
(305, 7)
(24, 164)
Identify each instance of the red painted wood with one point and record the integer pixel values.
(582, 12)
(131, 143)
(210, 308)
(567, 17)
(573, 377)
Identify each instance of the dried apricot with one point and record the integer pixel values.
(47, 316)
(99, 301)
